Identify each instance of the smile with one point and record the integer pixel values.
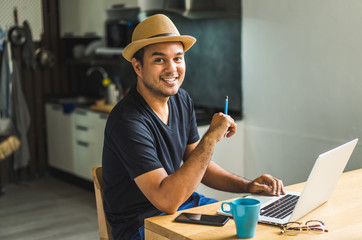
(169, 79)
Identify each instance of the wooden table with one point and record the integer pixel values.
(342, 215)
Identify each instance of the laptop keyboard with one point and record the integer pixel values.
(280, 208)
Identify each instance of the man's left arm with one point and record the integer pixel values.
(218, 178)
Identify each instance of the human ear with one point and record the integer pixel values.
(137, 66)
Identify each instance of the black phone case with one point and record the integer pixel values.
(207, 220)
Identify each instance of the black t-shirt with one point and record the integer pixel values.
(136, 141)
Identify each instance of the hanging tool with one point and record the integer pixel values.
(17, 35)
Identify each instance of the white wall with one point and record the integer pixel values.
(302, 83)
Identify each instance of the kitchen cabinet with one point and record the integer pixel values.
(59, 128)
(99, 121)
(75, 140)
(88, 141)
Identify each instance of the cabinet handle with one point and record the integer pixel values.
(82, 128)
(80, 112)
(84, 144)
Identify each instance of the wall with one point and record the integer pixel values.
(301, 83)
(211, 61)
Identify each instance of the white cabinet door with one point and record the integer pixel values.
(59, 137)
(82, 159)
(83, 143)
(100, 120)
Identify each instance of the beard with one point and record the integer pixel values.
(160, 87)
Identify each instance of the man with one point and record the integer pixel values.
(153, 129)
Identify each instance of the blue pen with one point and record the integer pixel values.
(226, 105)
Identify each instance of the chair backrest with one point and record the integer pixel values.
(105, 231)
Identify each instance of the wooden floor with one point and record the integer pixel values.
(47, 208)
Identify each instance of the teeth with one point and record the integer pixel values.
(169, 79)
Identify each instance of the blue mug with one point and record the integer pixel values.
(245, 212)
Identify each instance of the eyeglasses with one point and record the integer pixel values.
(294, 228)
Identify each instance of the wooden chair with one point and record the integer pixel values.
(105, 231)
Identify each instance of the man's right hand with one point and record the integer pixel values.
(221, 125)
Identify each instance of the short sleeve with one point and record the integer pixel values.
(134, 144)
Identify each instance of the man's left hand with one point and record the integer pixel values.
(266, 184)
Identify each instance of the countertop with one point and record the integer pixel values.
(102, 108)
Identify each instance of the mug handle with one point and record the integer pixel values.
(222, 207)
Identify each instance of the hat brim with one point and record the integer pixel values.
(129, 51)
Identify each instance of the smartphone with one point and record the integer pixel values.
(215, 220)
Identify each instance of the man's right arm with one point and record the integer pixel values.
(168, 192)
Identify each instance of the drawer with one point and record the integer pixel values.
(83, 117)
(84, 155)
(83, 133)
(100, 121)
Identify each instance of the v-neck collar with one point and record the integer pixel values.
(170, 110)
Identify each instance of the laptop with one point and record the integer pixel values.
(323, 178)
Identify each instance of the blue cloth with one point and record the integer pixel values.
(6, 80)
(68, 107)
(194, 201)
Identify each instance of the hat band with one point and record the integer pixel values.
(164, 35)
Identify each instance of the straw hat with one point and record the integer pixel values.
(155, 29)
